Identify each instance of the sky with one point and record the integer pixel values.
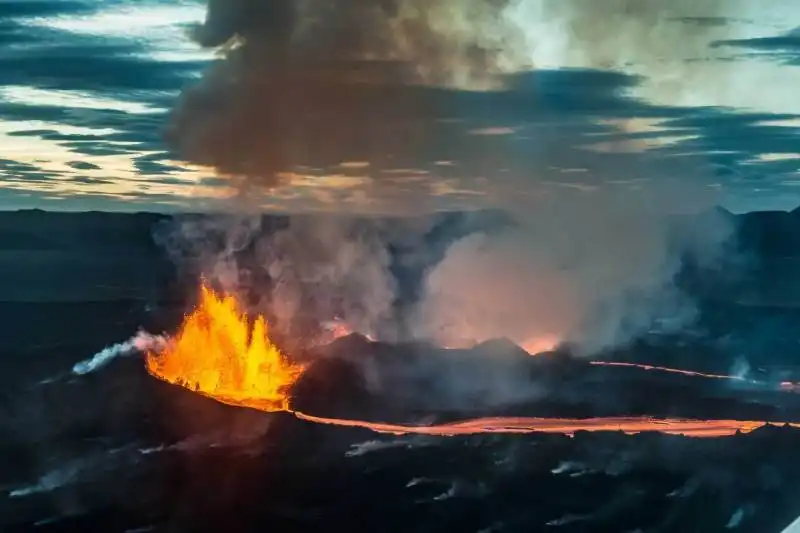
(89, 87)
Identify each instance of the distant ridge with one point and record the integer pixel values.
(102, 255)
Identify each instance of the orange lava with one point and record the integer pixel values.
(220, 353)
(544, 343)
(787, 386)
(336, 329)
(563, 426)
(667, 369)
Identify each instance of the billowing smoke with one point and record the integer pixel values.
(305, 273)
(595, 272)
(305, 85)
(210, 246)
(310, 90)
(329, 270)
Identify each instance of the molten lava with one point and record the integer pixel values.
(223, 354)
(563, 426)
(220, 353)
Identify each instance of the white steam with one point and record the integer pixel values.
(305, 275)
(141, 342)
(328, 270)
(594, 273)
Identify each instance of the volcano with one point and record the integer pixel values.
(362, 435)
(220, 353)
(163, 456)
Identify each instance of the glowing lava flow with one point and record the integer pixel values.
(787, 386)
(219, 354)
(669, 370)
(563, 426)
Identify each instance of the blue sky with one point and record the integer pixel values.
(86, 87)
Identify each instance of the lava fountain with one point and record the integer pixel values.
(221, 353)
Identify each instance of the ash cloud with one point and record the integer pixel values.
(311, 83)
(308, 84)
(305, 85)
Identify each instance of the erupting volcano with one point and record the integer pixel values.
(220, 352)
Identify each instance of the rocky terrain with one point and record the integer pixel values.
(116, 450)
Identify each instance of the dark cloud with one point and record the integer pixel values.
(14, 9)
(99, 67)
(784, 48)
(8, 165)
(95, 148)
(111, 67)
(149, 168)
(132, 133)
(29, 176)
(82, 165)
(307, 85)
(734, 143)
(90, 181)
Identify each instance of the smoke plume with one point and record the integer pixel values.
(312, 88)
(304, 85)
(330, 270)
(594, 272)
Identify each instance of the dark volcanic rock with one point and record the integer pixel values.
(118, 451)
(249, 471)
(332, 387)
(353, 377)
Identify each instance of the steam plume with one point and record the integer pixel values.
(594, 272)
(328, 270)
(138, 343)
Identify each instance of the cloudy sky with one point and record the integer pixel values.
(700, 99)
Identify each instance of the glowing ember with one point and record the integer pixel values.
(336, 329)
(219, 353)
(537, 345)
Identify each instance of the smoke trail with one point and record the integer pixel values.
(140, 342)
